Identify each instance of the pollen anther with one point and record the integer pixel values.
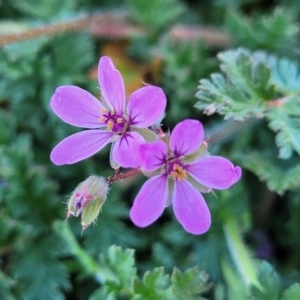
(119, 120)
(178, 172)
(110, 125)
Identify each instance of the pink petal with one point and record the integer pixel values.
(111, 84)
(215, 172)
(76, 106)
(126, 150)
(146, 105)
(190, 208)
(153, 155)
(186, 137)
(79, 146)
(150, 202)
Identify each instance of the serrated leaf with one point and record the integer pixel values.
(121, 264)
(65, 47)
(248, 75)
(190, 284)
(275, 32)
(251, 82)
(155, 14)
(284, 120)
(155, 285)
(243, 93)
(292, 293)
(270, 282)
(285, 74)
(279, 175)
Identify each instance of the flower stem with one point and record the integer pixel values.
(116, 25)
(121, 176)
(89, 265)
(76, 24)
(240, 254)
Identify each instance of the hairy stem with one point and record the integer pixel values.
(121, 176)
(75, 24)
(116, 25)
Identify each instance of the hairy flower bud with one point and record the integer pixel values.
(87, 199)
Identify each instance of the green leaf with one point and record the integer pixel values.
(121, 264)
(285, 73)
(242, 93)
(155, 285)
(275, 32)
(237, 289)
(285, 121)
(249, 75)
(270, 282)
(179, 71)
(292, 293)
(279, 175)
(251, 81)
(64, 47)
(190, 284)
(155, 14)
(44, 9)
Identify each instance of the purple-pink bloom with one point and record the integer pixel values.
(179, 171)
(114, 120)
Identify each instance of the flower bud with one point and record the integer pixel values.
(87, 199)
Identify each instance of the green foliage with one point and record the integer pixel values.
(117, 274)
(292, 293)
(291, 235)
(40, 258)
(190, 284)
(121, 265)
(5, 284)
(43, 9)
(269, 281)
(279, 175)
(251, 82)
(155, 285)
(155, 14)
(158, 285)
(243, 91)
(179, 71)
(275, 32)
(284, 120)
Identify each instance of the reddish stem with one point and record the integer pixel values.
(121, 176)
(116, 25)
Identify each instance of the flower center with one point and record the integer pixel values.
(115, 122)
(175, 169)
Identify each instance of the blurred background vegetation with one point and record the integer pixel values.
(173, 44)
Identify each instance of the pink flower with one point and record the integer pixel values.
(179, 172)
(116, 120)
